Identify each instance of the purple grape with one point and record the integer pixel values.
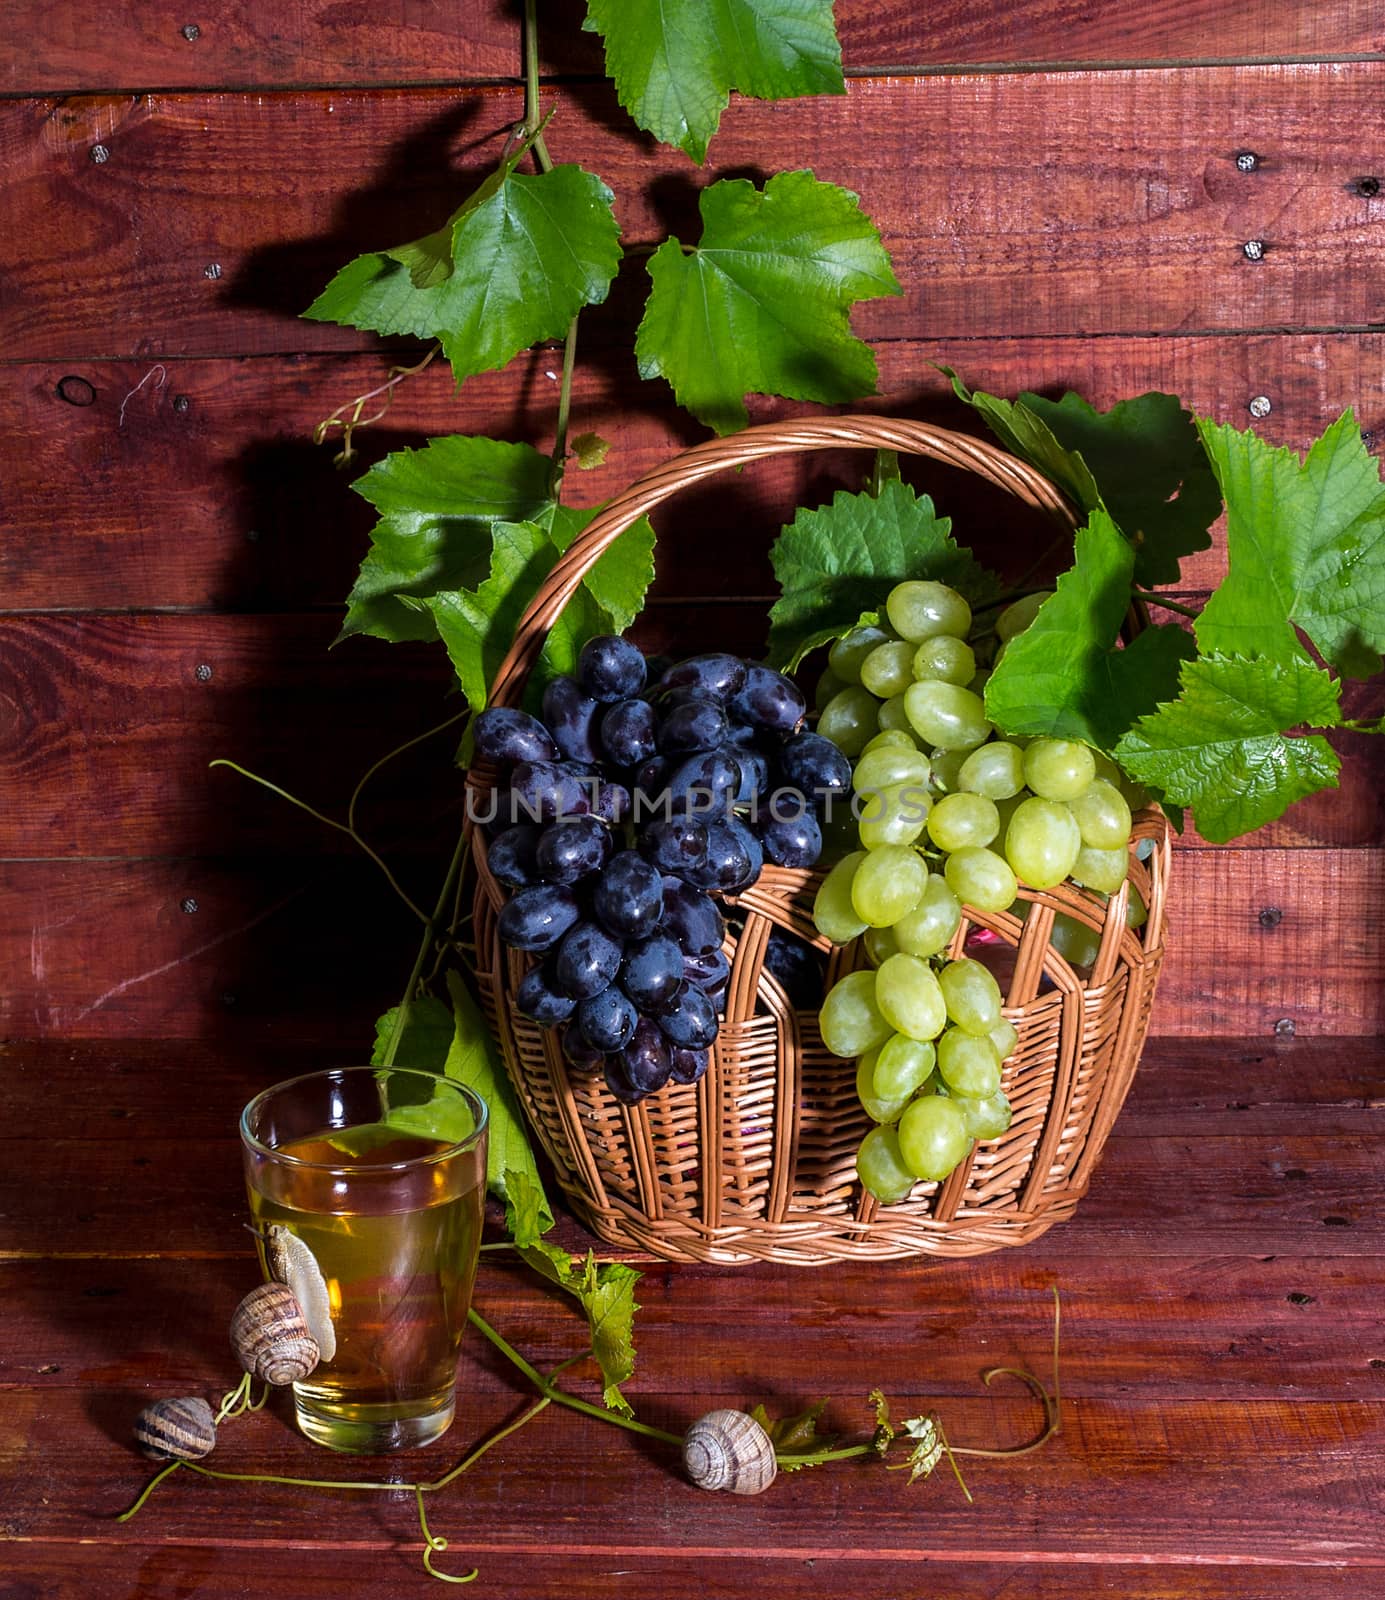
(510, 856)
(769, 700)
(754, 770)
(704, 784)
(674, 844)
(691, 1021)
(612, 803)
(537, 918)
(645, 1061)
(687, 1066)
(610, 668)
(572, 849)
(697, 724)
(652, 971)
(717, 676)
(791, 841)
(541, 1000)
(800, 969)
(650, 783)
(503, 734)
(734, 858)
(607, 1020)
(710, 973)
(692, 918)
(629, 896)
(815, 765)
(617, 1082)
(578, 1051)
(588, 960)
(571, 716)
(542, 790)
(629, 732)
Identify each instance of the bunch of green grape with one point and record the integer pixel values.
(946, 814)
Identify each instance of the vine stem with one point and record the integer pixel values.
(401, 1015)
(1168, 605)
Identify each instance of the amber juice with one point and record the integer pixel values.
(394, 1229)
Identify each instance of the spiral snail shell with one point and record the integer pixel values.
(176, 1430)
(729, 1450)
(270, 1337)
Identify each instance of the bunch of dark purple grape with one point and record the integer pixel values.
(618, 817)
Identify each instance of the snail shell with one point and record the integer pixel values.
(729, 1450)
(293, 1263)
(270, 1337)
(176, 1430)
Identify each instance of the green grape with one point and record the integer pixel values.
(1042, 842)
(948, 717)
(972, 995)
(968, 1064)
(893, 716)
(1074, 940)
(888, 883)
(890, 739)
(926, 929)
(902, 1066)
(1103, 817)
(1016, 617)
(846, 655)
(909, 999)
(963, 819)
(1106, 770)
(1058, 769)
(920, 610)
(1004, 1036)
(850, 1020)
(876, 1108)
(829, 684)
(879, 944)
(933, 1137)
(882, 768)
(980, 877)
(880, 1167)
(833, 915)
(947, 765)
(895, 815)
(1136, 911)
(889, 669)
(946, 658)
(986, 1119)
(995, 770)
(849, 719)
(1103, 870)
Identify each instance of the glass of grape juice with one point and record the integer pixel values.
(370, 1182)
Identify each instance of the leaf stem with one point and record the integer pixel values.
(1168, 605)
(555, 475)
(401, 1015)
(391, 755)
(531, 87)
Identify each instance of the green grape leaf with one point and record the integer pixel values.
(674, 64)
(438, 508)
(512, 266)
(762, 303)
(1065, 676)
(1141, 462)
(607, 1294)
(1222, 747)
(796, 1436)
(621, 575)
(527, 1216)
(1305, 547)
(836, 562)
(430, 1029)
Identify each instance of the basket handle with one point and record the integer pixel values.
(987, 461)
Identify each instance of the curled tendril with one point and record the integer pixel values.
(435, 1544)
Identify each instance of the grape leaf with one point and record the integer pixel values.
(839, 561)
(438, 507)
(527, 1216)
(620, 576)
(1221, 747)
(1065, 676)
(428, 1033)
(761, 304)
(674, 64)
(1305, 546)
(512, 266)
(1141, 461)
(796, 1436)
(607, 1295)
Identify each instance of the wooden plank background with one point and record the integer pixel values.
(1059, 188)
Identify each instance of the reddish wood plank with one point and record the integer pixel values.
(248, 45)
(101, 949)
(218, 217)
(219, 451)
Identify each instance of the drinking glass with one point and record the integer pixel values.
(368, 1183)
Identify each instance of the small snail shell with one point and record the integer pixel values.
(270, 1337)
(729, 1450)
(176, 1430)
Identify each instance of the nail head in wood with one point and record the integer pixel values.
(1254, 249)
(1260, 406)
(1247, 161)
(191, 32)
(1284, 1028)
(100, 154)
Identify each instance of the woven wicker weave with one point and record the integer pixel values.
(757, 1161)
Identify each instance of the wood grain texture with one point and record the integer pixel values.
(251, 44)
(1051, 203)
(194, 483)
(282, 951)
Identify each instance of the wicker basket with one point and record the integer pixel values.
(757, 1161)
